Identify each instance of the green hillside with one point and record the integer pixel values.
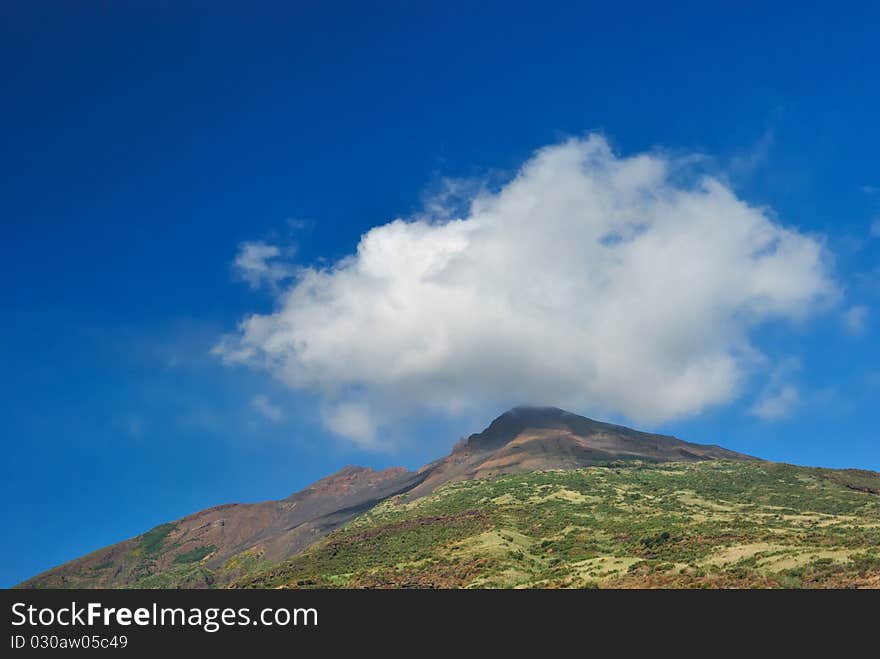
(704, 524)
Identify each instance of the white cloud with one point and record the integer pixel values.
(267, 408)
(777, 405)
(611, 284)
(259, 264)
(855, 318)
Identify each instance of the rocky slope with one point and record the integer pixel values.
(216, 545)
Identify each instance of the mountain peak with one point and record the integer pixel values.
(596, 440)
(539, 414)
(533, 410)
(529, 438)
(514, 421)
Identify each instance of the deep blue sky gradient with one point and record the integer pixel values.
(143, 141)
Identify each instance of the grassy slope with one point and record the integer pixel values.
(709, 524)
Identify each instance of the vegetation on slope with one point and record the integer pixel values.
(707, 524)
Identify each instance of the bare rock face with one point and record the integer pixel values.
(215, 546)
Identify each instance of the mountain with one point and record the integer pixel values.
(264, 543)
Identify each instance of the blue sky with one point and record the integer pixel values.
(145, 146)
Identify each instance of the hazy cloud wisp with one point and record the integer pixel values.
(259, 264)
(266, 408)
(777, 405)
(855, 319)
